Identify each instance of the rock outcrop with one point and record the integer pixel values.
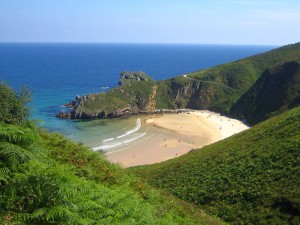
(64, 115)
(127, 77)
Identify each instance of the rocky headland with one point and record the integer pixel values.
(79, 107)
(224, 89)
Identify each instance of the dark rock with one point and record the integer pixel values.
(64, 115)
(127, 77)
(71, 104)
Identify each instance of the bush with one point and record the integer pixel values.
(13, 109)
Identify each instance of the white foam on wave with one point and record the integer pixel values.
(117, 141)
(120, 150)
(118, 144)
(137, 127)
(109, 139)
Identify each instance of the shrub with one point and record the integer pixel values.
(13, 109)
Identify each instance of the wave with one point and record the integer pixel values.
(104, 88)
(109, 139)
(117, 141)
(118, 144)
(122, 149)
(137, 127)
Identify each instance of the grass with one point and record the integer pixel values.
(250, 178)
(134, 96)
(48, 179)
(227, 83)
(275, 91)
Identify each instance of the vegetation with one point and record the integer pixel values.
(13, 108)
(275, 91)
(129, 77)
(218, 89)
(250, 178)
(128, 97)
(47, 179)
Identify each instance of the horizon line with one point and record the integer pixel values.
(136, 43)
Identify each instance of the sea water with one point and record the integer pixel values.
(56, 73)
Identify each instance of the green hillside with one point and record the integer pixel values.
(250, 178)
(222, 86)
(48, 179)
(276, 90)
(217, 89)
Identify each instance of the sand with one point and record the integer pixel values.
(172, 135)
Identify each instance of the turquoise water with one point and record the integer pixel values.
(94, 133)
(56, 73)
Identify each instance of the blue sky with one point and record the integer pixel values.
(271, 22)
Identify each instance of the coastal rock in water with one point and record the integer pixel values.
(64, 115)
(125, 112)
(71, 104)
(127, 77)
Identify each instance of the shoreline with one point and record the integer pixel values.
(70, 106)
(171, 135)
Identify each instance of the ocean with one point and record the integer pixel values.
(56, 72)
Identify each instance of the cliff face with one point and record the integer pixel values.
(218, 89)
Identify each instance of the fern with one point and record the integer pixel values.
(13, 155)
(23, 136)
(69, 205)
(4, 171)
(38, 214)
(21, 218)
(4, 176)
(59, 213)
(86, 221)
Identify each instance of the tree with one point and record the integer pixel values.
(13, 108)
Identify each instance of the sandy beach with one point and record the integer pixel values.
(172, 135)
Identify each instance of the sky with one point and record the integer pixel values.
(254, 22)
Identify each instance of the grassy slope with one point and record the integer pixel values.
(222, 86)
(250, 178)
(276, 90)
(134, 94)
(47, 179)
